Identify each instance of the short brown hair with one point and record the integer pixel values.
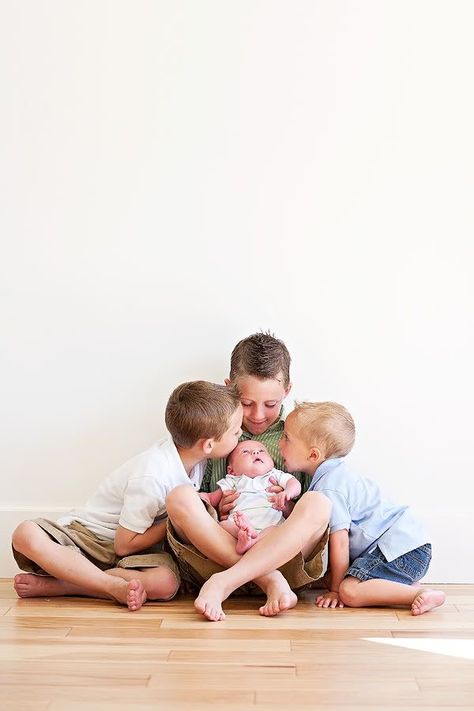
(326, 425)
(200, 410)
(262, 356)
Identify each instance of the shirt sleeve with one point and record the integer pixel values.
(225, 485)
(340, 515)
(144, 501)
(282, 477)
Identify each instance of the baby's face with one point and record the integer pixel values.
(250, 458)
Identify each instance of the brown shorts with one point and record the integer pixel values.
(98, 550)
(195, 568)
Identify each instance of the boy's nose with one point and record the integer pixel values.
(258, 412)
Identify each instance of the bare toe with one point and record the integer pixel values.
(210, 598)
(278, 603)
(136, 595)
(426, 601)
(211, 609)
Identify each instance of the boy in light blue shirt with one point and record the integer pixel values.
(377, 550)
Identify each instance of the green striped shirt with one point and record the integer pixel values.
(217, 468)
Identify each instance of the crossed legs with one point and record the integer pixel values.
(73, 574)
(300, 532)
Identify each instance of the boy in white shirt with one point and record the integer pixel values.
(250, 471)
(108, 549)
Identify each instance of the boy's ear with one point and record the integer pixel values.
(208, 446)
(315, 455)
(287, 391)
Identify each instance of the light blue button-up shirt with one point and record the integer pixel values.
(371, 519)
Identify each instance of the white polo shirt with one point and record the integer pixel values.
(134, 494)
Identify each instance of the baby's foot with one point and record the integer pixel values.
(280, 597)
(30, 585)
(426, 601)
(246, 535)
(210, 599)
(244, 541)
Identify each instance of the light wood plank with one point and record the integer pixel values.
(66, 654)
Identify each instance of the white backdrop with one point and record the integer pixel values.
(177, 175)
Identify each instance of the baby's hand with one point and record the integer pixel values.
(329, 599)
(280, 500)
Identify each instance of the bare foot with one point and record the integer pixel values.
(426, 601)
(244, 541)
(130, 593)
(280, 597)
(127, 592)
(136, 595)
(246, 535)
(30, 585)
(210, 599)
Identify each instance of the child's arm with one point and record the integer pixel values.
(291, 491)
(212, 497)
(338, 565)
(128, 542)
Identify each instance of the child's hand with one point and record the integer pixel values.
(226, 504)
(329, 599)
(280, 501)
(275, 488)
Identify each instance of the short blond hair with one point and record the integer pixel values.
(326, 425)
(200, 410)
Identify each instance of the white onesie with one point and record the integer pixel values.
(253, 501)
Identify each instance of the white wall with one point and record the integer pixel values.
(176, 175)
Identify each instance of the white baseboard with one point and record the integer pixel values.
(452, 544)
(451, 539)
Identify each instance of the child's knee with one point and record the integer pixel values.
(177, 499)
(24, 536)
(322, 504)
(316, 506)
(164, 584)
(348, 592)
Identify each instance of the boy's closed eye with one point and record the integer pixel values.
(270, 405)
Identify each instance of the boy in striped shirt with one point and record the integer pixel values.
(260, 366)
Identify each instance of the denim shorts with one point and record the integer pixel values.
(408, 568)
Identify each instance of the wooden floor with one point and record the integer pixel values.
(75, 654)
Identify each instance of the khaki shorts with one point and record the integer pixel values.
(98, 550)
(195, 568)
